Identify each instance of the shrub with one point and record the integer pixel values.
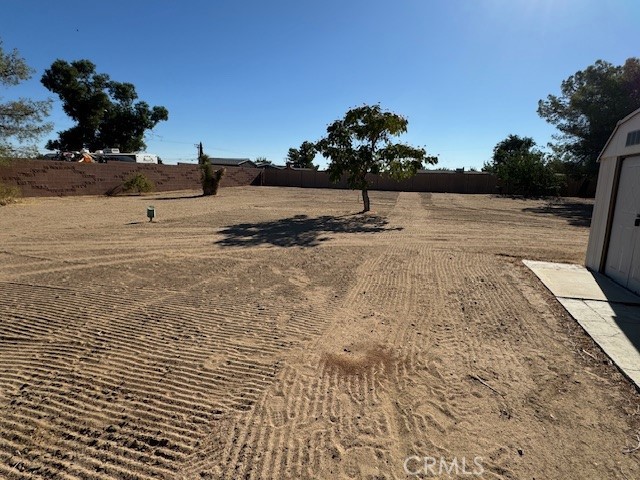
(8, 194)
(138, 183)
(210, 179)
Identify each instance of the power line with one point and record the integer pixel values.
(161, 139)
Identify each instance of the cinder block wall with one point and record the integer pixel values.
(442, 182)
(422, 182)
(51, 178)
(40, 178)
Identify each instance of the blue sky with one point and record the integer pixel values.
(254, 78)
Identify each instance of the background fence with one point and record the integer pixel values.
(52, 178)
(437, 181)
(38, 178)
(422, 182)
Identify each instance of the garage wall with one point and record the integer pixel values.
(602, 209)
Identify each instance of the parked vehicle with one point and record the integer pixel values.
(128, 157)
(104, 156)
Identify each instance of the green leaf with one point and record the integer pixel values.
(361, 143)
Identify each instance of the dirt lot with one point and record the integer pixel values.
(273, 333)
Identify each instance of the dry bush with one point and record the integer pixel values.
(210, 179)
(8, 194)
(138, 184)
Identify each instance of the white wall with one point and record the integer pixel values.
(610, 158)
(616, 146)
(601, 209)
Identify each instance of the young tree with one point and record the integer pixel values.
(302, 157)
(21, 120)
(360, 143)
(209, 178)
(106, 112)
(591, 103)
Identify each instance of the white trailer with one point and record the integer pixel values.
(129, 157)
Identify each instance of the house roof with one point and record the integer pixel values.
(615, 131)
(444, 172)
(270, 165)
(233, 162)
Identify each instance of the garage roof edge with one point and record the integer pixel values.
(615, 130)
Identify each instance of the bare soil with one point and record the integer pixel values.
(274, 333)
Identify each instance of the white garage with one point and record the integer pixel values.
(614, 239)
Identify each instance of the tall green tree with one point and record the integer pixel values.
(105, 111)
(361, 143)
(505, 150)
(21, 121)
(522, 168)
(587, 110)
(302, 157)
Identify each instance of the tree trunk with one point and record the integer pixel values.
(365, 200)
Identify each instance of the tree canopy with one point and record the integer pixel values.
(522, 167)
(591, 102)
(302, 157)
(361, 143)
(21, 120)
(105, 111)
(505, 150)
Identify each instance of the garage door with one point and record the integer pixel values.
(623, 257)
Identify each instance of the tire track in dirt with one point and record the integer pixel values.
(134, 381)
(392, 281)
(460, 343)
(378, 385)
(338, 391)
(198, 376)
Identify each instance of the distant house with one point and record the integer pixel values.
(270, 165)
(300, 169)
(457, 170)
(288, 166)
(233, 162)
(614, 239)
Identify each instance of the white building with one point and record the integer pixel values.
(614, 239)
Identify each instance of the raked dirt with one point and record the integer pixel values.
(273, 333)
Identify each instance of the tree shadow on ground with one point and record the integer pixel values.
(184, 197)
(576, 213)
(300, 230)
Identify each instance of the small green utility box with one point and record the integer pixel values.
(151, 212)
